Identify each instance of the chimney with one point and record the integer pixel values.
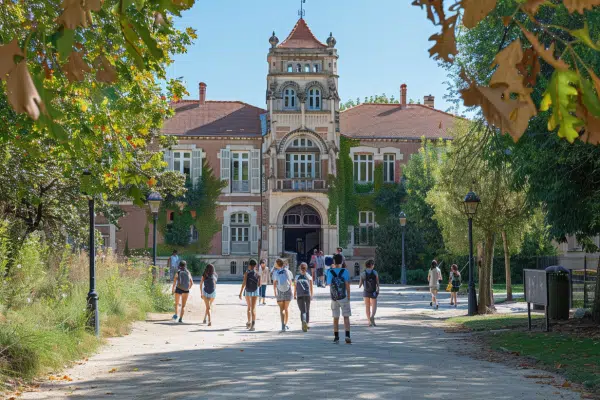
(403, 95)
(202, 87)
(429, 101)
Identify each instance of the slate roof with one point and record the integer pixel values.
(301, 37)
(214, 118)
(375, 121)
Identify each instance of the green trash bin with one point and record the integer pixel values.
(558, 293)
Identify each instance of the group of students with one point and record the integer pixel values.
(285, 287)
(435, 277)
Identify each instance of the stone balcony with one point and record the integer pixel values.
(298, 185)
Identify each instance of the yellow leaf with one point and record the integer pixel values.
(445, 46)
(112, 371)
(546, 54)
(476, 10)
(7, 54)
(580, 5)
(566, 384)
(22, 93)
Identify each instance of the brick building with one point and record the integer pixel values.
(276, 161)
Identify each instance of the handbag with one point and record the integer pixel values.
(449, 287)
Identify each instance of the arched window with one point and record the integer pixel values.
(298, 67)
(302, 142)
(290, 68)
(317, 68)
(306, 67)
(240, 233)
(289, 99)
(314, 99)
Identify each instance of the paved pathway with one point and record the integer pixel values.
(406, 356)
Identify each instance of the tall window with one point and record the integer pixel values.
(298, 67)
(314, 99)
(193, 234)
(289, 98)
(363, 168)
(240, 233)
(182, 162)
(306, 67)
(290, 68)
(366, 229)
(317, 68)
(240, 165)
(301, 165)
(389, 167)
(233, 268)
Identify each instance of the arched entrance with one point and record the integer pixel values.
(302, 231)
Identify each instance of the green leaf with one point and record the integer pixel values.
(583, 34)
(561, 95)
(64, 43)
(590, 99)
(136, 195)
(146, 36)
(131, 38)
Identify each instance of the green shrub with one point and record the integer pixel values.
(194, 264)
(416, 277)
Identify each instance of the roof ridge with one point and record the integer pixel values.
(301, 22)
(192, 101)
(398, 104)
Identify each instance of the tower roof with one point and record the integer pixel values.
(301, 37)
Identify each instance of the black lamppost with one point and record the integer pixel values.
(471, 203)
(403, 224)
(154, 200)
(92, 297)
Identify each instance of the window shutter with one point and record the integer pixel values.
(196, 167)
(255, 171)
(254, 239)
(226, 166)
(168, 158)
(225, 240)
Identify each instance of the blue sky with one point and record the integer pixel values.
(380, 47)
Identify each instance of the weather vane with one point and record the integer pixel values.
(302, 11)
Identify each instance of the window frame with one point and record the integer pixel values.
(301, 165)
(389, 168)
(366, 229)
(363, 165)
(179, 156)
(314, 101)
(243, 157)
(290, 98)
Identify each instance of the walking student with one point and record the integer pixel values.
(172, 264)
(338, 279)
(208, 291)
(320, 269)
(434, 277)
(313, 264)
(282, 286)
(303, 293)
(265, 277)
(251, 283)
(370, 279)
(182, 283)
(455, 281)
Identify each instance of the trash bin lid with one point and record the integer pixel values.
(557, 269)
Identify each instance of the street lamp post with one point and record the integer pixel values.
(154, 200)
(471, 203)
(92, 297)
(403, 224)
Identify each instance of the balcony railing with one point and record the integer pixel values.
(301, 185)
(240, 247)
(240, 186)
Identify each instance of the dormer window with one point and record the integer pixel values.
(289, 99)
(314, 99)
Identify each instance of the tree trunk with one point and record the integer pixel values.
(485, 271)
(509, 295)
(596, 306)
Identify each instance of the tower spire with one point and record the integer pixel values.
(302, 11)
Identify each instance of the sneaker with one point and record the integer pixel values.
(287, 328)
(248, 324)
(336, 340)
(209, 323)
(252, 329)
(204, 321)
(174, 317)
(304, 326)
(373, 321)
(431, 304)
(451, 303)
(180, 321)
(348, 340)
(437, 306)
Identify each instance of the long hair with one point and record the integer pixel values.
(208, 271)
(433, 264)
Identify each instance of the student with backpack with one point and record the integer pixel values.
(182, 283)
(250, 288)
(338, 279)
(282, 286)
(208, 291)
(434, 277)
(264, 280)
(455, 281)
(370, 279)
(303, 293)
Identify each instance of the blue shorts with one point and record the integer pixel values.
(210, 296)
(256, 293)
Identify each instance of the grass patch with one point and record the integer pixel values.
(493, 321)
(499, 288)
(577, 358)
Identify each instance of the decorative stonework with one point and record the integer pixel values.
(292, 84)
(284, 142)
(319, 85)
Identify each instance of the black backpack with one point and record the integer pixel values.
(209, 284)
(370, 282)
(338, 286)
(251, 281)
(302, 285)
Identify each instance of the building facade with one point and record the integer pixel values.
(277, 162)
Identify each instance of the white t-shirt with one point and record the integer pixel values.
(283, 277)
(434, 277)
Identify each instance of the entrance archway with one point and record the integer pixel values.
(302, 231)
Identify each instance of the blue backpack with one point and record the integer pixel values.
(338, 285)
